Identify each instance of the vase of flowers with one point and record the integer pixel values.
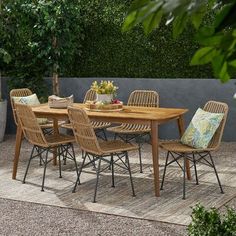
(105, 91)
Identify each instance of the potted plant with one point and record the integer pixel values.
(3, 114)
(105, 91)
(6, 58)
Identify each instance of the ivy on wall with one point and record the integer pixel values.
(107, 52)
(100, 49)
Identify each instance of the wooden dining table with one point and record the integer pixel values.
(129, 114)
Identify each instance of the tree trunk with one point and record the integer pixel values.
(55, 83)
(55, 80)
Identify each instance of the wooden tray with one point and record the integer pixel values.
(105, 107)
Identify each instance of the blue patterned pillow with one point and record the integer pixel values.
(201, 129)
(30, 100)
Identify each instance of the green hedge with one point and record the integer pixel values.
(107, 52)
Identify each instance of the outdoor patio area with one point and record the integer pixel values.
(118, 118)
(169, 207)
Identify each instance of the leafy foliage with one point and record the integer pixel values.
(218, 40)
(107, 52)
(98, 47)
(211, 223)
(41, 37)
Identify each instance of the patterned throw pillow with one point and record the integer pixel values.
(201, 129)
(30, 100)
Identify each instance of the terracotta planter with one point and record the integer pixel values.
(3, 118)
(106, 98)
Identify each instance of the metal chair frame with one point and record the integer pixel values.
(62, 151)
(97, 151)
(197, 155)
(111, 162)
(43, 145)
(136, 99)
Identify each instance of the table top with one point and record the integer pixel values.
(128, 112)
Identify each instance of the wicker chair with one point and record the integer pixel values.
(43, 144)
(177, 150)
(129, 132)
(99, 126)
(86, 138)
(47, 128)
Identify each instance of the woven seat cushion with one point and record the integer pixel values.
(201, 129)
(30, 100)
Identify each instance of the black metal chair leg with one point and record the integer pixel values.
(115, 136)
(40, 157)
(78, 177)
(164, 173)
(74, 158)
(130, 175)
(104, 134)
(64, 157)
(184, 173)
(112, 171)
(218, 179)
(96, 186)
(44, 171)
(59, 158)
(140, 158)
(195, 169)
(27, 168)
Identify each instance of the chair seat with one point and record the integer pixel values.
(49, 124)
(100, 125)
(55, 140)
(95, 124)
(130, 129)
(177, 146)
(114, 146)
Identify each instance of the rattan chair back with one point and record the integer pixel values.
(217, 107)
(83, 131)
(18, 93)
(90, 95)
(29, 124)
(145, 98)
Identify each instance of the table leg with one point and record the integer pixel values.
(155, 157)
(181, 132)
(55, 132)
(19, 136)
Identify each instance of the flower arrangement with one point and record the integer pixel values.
(104, 87)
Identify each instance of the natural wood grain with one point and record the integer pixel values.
(155, 157)
(138, 115)
(19, 135)
(181, 132)
(55, 132)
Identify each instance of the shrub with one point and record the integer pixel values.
(211, 222)
(41, 37)
(107, 52)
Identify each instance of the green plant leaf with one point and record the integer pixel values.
(179, 24)
(203, 56)
(153, 21)
(217, 64)
(129, 21)
(224, 75)
(197, 16)
(232, 63)
(222, 14)
(146, 12)
(138, 4)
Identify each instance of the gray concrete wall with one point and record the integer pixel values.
(179, 93)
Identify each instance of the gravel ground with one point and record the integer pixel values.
(24, 218)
